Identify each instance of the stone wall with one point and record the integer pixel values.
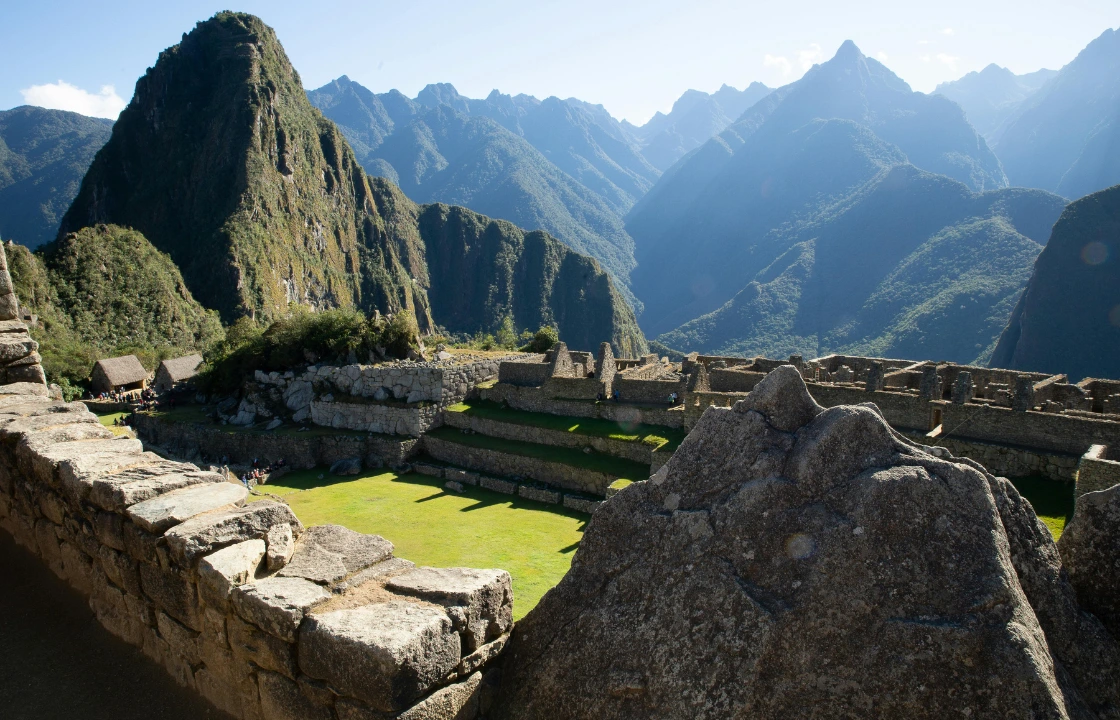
(531, 372)
(1006, 461)
(635, 451)
(731, 380)
(211, 443)
(1099, 469)
(238, 601)
(573, 388)
(535, 399)
(411, 420)
(646, 391)
(510, 465)
(1051, 432)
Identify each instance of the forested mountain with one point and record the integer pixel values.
(562, 166)
(1068, 319)
(696, 117)
(223, 163)
(107, 291)
(991, 96)
(910, 265)
(722, 215)
(43, 156)
(1066, 137)
(437, 153)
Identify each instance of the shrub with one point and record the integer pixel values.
(543, 340)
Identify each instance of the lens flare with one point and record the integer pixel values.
(1094, 253)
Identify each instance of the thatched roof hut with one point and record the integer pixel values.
(119, 373)
(176, 370)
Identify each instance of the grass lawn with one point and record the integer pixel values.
(432, 526)
(654, 435)
(108, 420)
(1052, 500)
(597, 461)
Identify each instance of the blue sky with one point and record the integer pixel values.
(633, 57)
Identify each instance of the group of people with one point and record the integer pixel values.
(144, 400)
(255, 474)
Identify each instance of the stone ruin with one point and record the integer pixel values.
(796, 561)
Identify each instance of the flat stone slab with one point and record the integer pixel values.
(136, 485)
(278, 604)
(211, 531)
(329, 553)
(387, 655)
(165, 511)
(220, 572)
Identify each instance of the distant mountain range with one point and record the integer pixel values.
(991, 96)
(1068, 319)
(1066, 137)
(43, 156)
(695, 118)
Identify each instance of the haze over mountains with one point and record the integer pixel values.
(841, 212)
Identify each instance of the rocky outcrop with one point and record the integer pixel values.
(1090, 547)
(19, 354)
(793, 561)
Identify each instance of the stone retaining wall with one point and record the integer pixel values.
(238, 601)
(535, 399)
(1097, 470)
(635, 451)
(211, 443)
(508, 464)
(1006, 461)
(409, 420)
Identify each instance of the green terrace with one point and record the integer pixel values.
(430, 525)
(594, 461)
(656, 436)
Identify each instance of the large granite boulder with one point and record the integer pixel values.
(1090, 549)
(797, 562)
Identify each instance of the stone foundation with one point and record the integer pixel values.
(635, 451)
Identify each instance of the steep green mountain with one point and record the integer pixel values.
(481, 271)
(719, 216)
(104, 291)
(43, 156)
(438, 152)
(695, 118)
(1064, 137)
(1068, 319)
(991, 96)
(221, 162)
(911, 265)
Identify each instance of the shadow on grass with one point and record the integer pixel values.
(310, 480)
(570, 548)
(1049, 498)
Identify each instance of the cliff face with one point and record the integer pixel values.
(1068, 318)
(221, 161)
(480, 271)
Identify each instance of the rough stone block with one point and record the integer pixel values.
(427, 469)
(329, 553)
(278, 604)
(582, 504)
(172, 592)
(263, 649)
(282, 699)
(121, 570)
(211, 531)
(220, 572)
(281, 546)
(454, 486)
(502, 486)
(454, 702)
(481, 656)
(133, 485)
(480, 602)
(464, 476)
(162, 512)
(79, 568)
(387, 655)
(539, 494)
(181, 640)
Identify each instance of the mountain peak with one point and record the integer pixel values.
(848, 52)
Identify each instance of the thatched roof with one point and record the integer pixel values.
(122, 370)
(181, 368)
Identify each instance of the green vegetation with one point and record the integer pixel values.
(595, 461)
(656, 436)
(1052, 501)
(43, 156)
(332, 336)
(103, 292)
(478, 528)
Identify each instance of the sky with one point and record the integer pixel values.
(635, 58)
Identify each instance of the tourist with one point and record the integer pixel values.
(615, 396)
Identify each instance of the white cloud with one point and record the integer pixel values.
(779, 62)
(882, 56)
(64, 96)
(923, 42)
(947, 31)
(949, 60)
(924, 58)
(810, 56)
